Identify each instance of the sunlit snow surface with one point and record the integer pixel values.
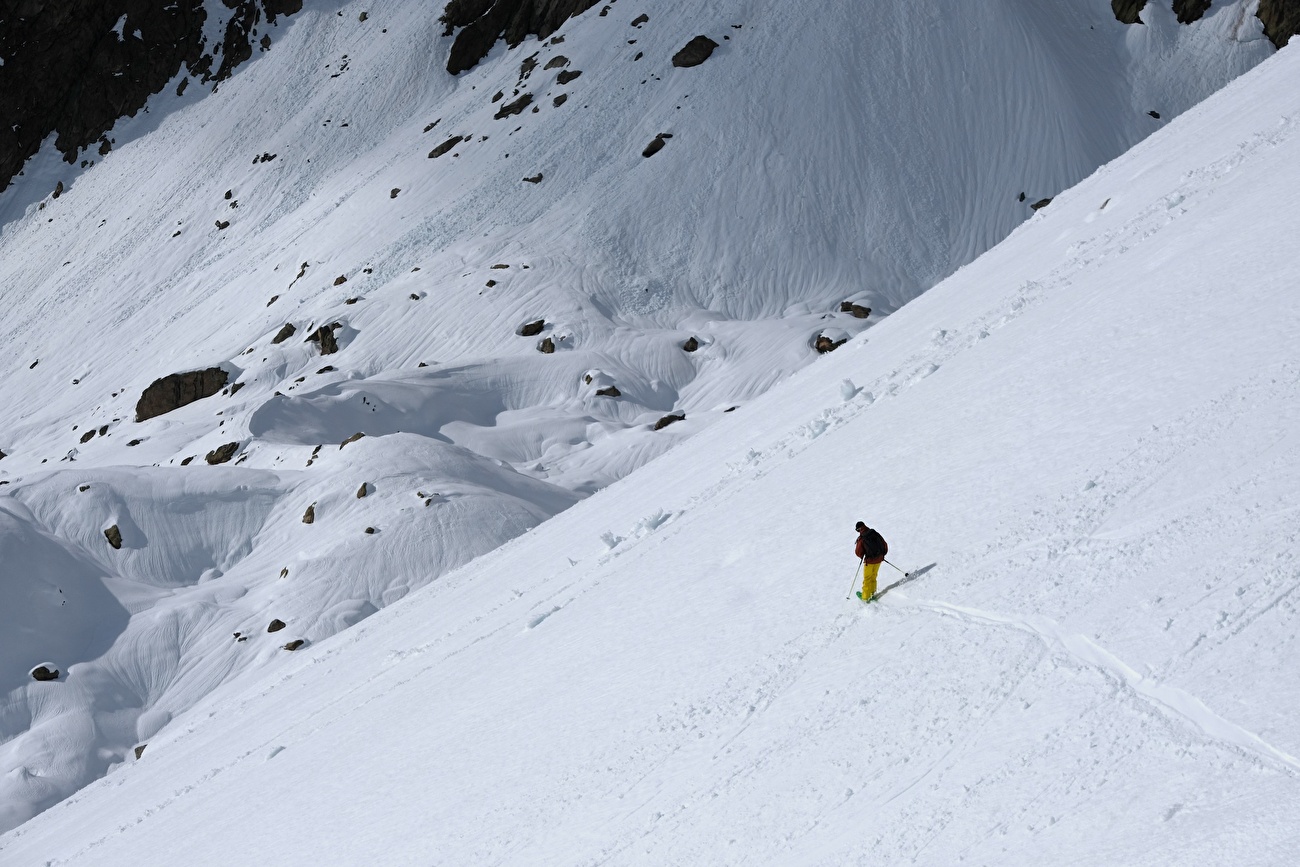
(1089, 432)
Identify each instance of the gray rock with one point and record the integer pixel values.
(114, 537)
(670, 419)
(222, 454)
(276, 625)
(178, 390)
(694, 52)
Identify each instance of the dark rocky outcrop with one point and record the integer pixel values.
(535, 179)
(1126, 11)
(1041, 203)
(276, 625)
(656, 145)
(670, 419)
(482, 22)
(557, 62)
(694, 52)
(43, 673)
(324, 338)
(824, 344)
(363, 490)
(114, 537)
(295, 644)
(356, 436)
(177, 390)
(690, 345)
(858, 311)
(309, 516)
(1281, 19)
(1190, 10)
(222, 454)
(139, 751)
(516, 106)
(446, 146)
(568, 75)
(547, 346)
(68, 72)
(532, 329)
(284, 333)
(609, 391)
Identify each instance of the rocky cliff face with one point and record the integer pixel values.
(73, 67)
(1281, 18)
(482, 22)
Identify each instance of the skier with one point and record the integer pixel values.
(871, 550)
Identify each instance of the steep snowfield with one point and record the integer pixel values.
(1085, 441)
(825, 153)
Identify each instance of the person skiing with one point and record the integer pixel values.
(871, 550)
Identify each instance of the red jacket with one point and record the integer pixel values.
(871, 546)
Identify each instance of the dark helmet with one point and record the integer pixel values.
(860, 526)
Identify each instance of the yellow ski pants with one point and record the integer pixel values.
(869, 572)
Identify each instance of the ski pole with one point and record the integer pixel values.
(905, 574)
(856, 570)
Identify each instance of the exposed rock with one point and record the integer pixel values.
(114, 537)
(694, 52)
(363, 490)
(515, 107)
(824, 344)
(568, 75)
(560, 100)
(500, 266)
(656, 145)
(669, 419)
(532, 329)
(351, 439)
(392, 194)
(640, 19)
(276, 625)
(482, 22)
(187, 461)
(139, 751)
(1281, 19)
(309, 516)
(1041, 203)
(87, 436)
(43, 673)
(556, 62)
(370, 531)
(858, 311)
(67, 75)
(222, 454)
(329, 368)
(1190, 10)
(324, 337)
(446, 146)
(547, 346)
(340, 280)
(3, 455)
(295, 644)
(222, 225)
(177, 390)
(234, 389)
(1126, 11)
(284, 333)
(1154, 114)
(690, 345)
(58, 190)
(535, 179)
(609, 391)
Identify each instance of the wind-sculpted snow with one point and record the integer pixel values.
(1083, 445)
(304, 230)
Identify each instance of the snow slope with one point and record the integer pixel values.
(1085, 441)
(825, 153)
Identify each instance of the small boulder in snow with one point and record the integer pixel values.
(276, 625)
(295, 644)
(532, 329)
(222, 454)
(824, 344)
(694, 52)
(670, 419)
(284, 333)
(44, 672)
(356, 436)
(309, 516)
(547, 346)
(114, 537)
(177, 390)
(690, 345)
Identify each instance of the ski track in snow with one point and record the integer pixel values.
(1170, 700)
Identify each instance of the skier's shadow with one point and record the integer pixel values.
(907, 579)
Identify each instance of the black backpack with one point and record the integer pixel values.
(873, 544)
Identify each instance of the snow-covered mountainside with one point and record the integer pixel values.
(487, 276)
(1084, 444)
